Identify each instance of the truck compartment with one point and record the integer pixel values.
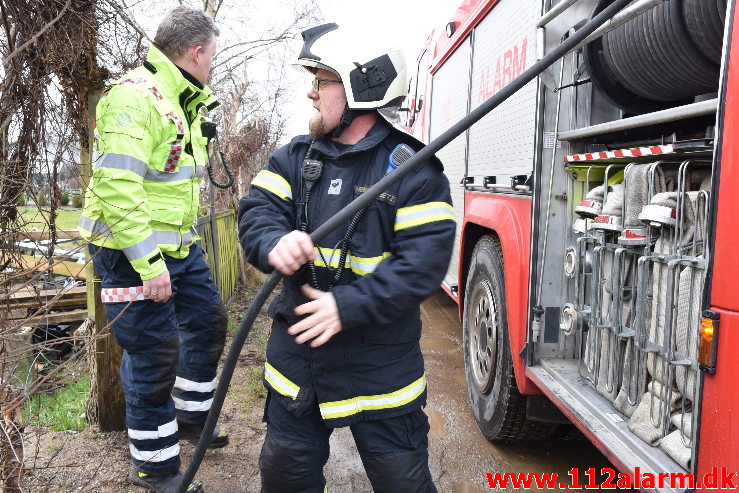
(621, 216)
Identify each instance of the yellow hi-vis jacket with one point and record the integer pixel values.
(144, 193)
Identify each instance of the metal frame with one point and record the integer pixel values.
(692, 110)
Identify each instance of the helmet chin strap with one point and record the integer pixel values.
(346, 119)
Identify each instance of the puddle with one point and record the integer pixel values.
(467, 488)
(437, 344)
(438, 424)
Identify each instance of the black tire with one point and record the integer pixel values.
(498, 407)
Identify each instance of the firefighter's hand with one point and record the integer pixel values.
(324, 321)
(291, 252)
(158, 289)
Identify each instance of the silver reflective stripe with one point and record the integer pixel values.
(141, 248)
(173, 238)
(190, 386)
(184, 173)
(364, 266)
(200, 172)
(164, 430)
(167, 237)
(95, 227)
(121, 161)
(184, 405)
(155, 455)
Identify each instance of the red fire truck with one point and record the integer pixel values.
(595, 262)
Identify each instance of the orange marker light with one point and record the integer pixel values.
(708, 342)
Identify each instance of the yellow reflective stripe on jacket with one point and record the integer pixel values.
(274, 183)
(341, 409)
(279, 382)
(359, 265)
(416, 215)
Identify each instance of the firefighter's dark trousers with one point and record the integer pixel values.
(171, 351)
(394, 452)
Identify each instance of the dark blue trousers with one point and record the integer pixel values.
(171, 352)
(394, 452)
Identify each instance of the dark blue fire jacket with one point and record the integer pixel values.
(397, 257)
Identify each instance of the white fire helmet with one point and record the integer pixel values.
(373, 77)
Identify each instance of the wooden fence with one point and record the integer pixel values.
(221, 250)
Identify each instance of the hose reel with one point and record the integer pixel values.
(665, 57)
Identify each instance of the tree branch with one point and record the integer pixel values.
(37, 35)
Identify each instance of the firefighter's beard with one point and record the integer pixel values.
(316, 127)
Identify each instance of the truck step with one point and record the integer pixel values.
(560, 380)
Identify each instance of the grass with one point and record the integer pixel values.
(249, 392)
(61, 410)
(32, 217)
(260, 338)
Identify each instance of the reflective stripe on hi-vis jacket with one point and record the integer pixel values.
(359, 265)
(348, 407)
(279, 382)
(417, 215)
(274, 183)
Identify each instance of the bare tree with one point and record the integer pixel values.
(252, 117)
(55, 54)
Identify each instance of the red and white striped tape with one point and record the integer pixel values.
(622, 153)
(122, 295)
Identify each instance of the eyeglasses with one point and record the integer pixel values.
(317, 83)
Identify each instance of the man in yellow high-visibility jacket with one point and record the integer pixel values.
(139, 214)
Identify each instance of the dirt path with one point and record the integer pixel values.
(99, 462)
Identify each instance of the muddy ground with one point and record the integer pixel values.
(460, 456)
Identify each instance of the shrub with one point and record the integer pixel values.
(22, 199)
(77, 201)
(65, 199)
(41, 200)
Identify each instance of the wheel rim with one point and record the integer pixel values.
(483, 335)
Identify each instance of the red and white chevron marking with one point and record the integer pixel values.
(122, 295)
(621, 153)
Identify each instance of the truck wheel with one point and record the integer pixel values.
(498, 407)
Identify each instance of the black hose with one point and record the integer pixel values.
(226, 168)
(705, 25)
(665, 56)
(366, 199)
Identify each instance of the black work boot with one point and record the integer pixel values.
(163, 483)
(192, 431)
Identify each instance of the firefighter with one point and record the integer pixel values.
(139, 214)
(344, 347)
